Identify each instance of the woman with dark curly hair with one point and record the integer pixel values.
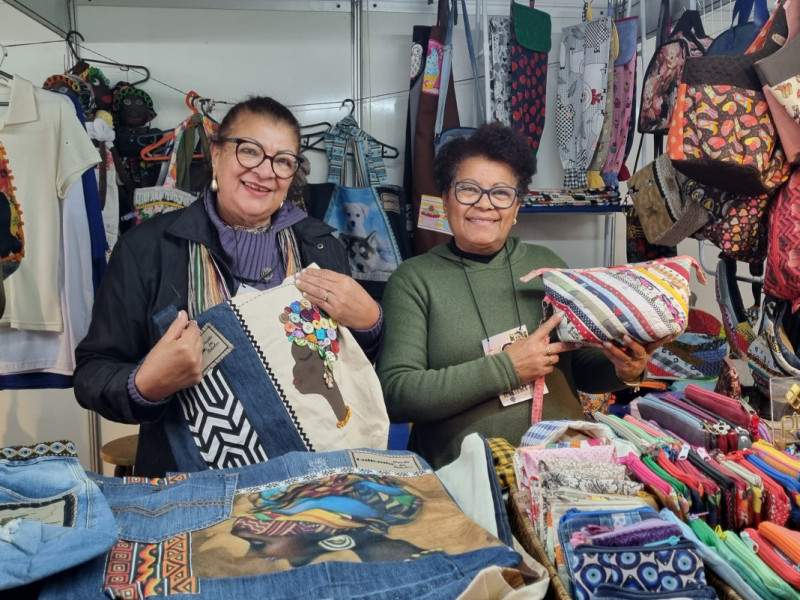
(463, 337)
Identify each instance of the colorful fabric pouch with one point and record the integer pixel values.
(637, 534)
(738, 323)
(772, 555)
(500, 83)
(772, 353)
(667, 215)
(614, 592)
(646, 301)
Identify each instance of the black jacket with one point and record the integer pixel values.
(147, 273)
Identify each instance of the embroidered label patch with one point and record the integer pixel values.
(59, 512)
(215, 347)
(406, 463)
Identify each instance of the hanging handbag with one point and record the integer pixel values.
(623, 92)
(582, 88)
(637, 247)
(722, 133)
(664, 72)
(782, 273)
(530, 46)
(667, 215)
(742, 33)
(441, 137)
(773, 353)
(780, 75)
(357, 213)
(698, 352)
(645, 301)
(500, 73)
(420, 139)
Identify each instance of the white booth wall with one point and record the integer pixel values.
(303, 59)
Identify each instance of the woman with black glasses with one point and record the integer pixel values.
(241, 236)
(463, 341)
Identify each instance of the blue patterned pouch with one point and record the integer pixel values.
(666, 566)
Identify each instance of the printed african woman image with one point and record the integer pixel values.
(352, 517)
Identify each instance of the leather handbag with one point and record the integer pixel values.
(646, 301)
(722, 133)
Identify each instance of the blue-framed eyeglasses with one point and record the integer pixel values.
(500, 196)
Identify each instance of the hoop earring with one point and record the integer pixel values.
(515, 221)
(214, 186)
(337, 542)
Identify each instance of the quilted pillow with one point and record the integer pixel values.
(646, 301)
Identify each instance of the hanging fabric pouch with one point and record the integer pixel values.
(698, 352)
(582, 88)
(774, 351)
(500, 82)
(646, 301)
(530, 46)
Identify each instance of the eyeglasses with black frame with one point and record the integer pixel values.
(500, 196)
(250, 155)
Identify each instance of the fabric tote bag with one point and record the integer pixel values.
(278, 375)
(582, 89)
(357, 212)
(530, 31)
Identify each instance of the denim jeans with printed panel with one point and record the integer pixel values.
(52, 516)
(343, 524)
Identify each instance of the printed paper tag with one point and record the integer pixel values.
(498, 343)
(215, 347)
(394, 463)
(431, 215)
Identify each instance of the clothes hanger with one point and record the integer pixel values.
(162, 145)
(312, 136)
(121, 66)
(387, 151)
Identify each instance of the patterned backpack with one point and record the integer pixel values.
(665, 72)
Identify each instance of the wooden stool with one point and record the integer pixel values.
(121, 453)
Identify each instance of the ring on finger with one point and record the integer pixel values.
(639, 356)
(547, 349)
(325, 297)
(550, 361)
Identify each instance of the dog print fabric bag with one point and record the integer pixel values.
(356, 212)
(646, 301)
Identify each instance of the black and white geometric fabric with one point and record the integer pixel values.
(218, 424)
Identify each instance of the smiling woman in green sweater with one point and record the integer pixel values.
(440, 307)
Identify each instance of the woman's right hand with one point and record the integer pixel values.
(535, 356)
(174, 363)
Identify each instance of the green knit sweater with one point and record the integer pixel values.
(432, 367)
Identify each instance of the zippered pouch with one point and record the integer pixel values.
(786, 540)
(741, 497)
(776, 507)
(669, 565)
(781, 461)
(771, 556)
(685, 426)
(617, 425)
(730, 436)
(615, 592)
(776, 586)
(727, 506)
(729, 408)
(638, 534)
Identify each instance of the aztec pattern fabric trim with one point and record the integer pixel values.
(646, 301)
(12, 241)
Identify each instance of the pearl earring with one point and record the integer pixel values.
(515, 221)
(214, 186)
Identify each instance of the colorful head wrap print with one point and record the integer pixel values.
(332, 505)
(76, 86)
(12, 240)
(133, 107)
(306, 325)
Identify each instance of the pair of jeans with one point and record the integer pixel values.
(191, 524)
(52, 516)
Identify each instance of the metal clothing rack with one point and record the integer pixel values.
(707, 269)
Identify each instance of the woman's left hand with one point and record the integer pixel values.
(630, 360)
(341, 296)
